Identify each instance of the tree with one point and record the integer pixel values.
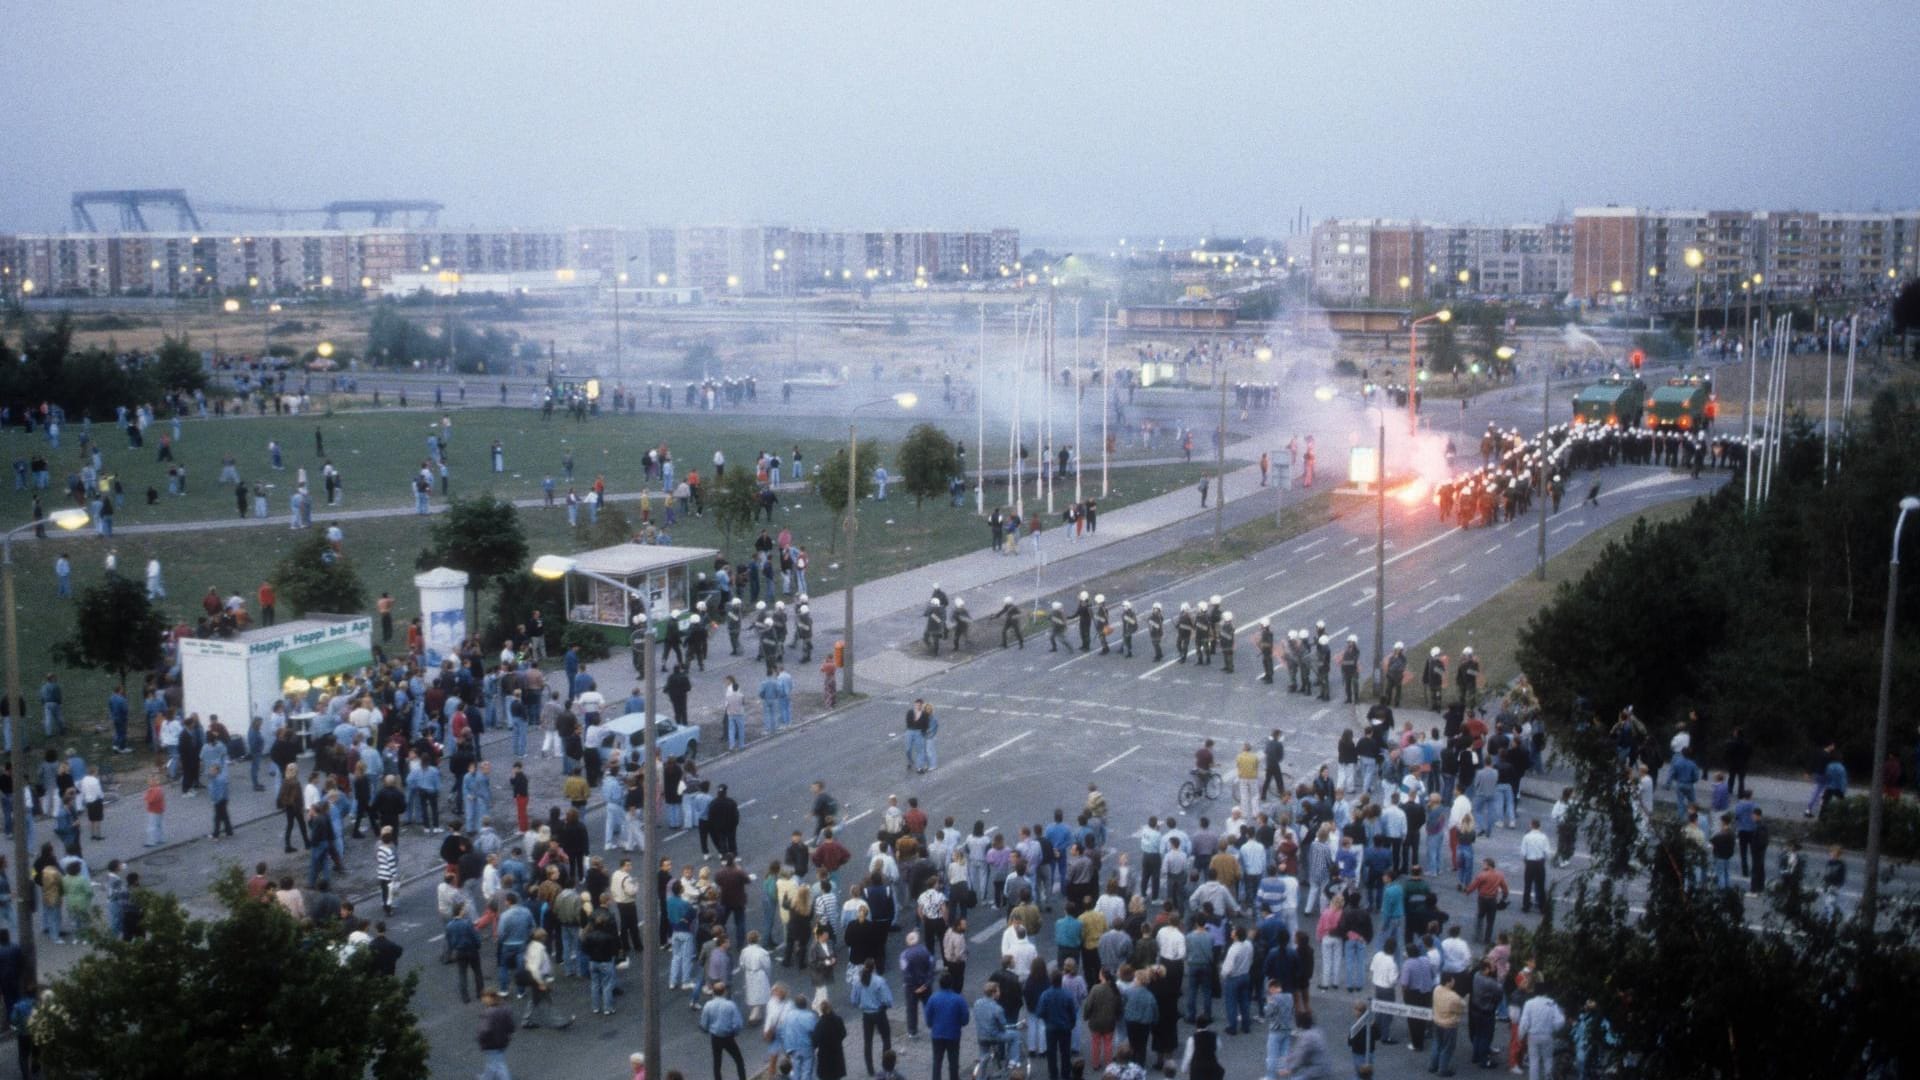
(1906, 312)
(1489, 333)
(928, 461)
(235, 995)
(1684, 984)
(734, 501)
(314, 577)
(1443, 349)
(830, 483)
(117, 629)
(481, 535)
(178, 367)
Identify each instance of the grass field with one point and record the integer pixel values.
(893, 535)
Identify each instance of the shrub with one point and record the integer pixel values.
(1845, 823)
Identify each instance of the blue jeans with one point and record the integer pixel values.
(316, 863)
(1199, 993)
(1443, 1044)
(601, 990)
(1237, 990)
(576, 961)
(916, 749)
(1683, 798)
(1503, 799)
(519, 738)
(680, 970)
(1723, 873)
(1278, 1043)
(1466, 864)
(1436, 859)
(156, 830)
(51, 719)
(510, 956)
(119, 733)
(802, 1060)
(50, 920)
(1356, 963)
(1483, 818)
(786, 712)
(495, 1065)
(736, 731)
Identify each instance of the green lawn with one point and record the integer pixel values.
(377, 452)
(894, 537)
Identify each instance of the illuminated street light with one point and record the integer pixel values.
(231, 306)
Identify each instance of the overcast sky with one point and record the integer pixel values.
(1077, 119)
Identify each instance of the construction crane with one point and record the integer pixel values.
(382, 210)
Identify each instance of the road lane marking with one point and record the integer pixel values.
(991, 750)
(1309, 546)
(1117, 758)
(1457, 569)
(1493, 549)
(1275, 574)
(1428, 585)
(981, 937)
(1316, 555)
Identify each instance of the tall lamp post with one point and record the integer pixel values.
(1413, 366)
(1380, 553)
(68, 520)
(553, 568)
(1876, 791)
(906, 400)
(1695, 258)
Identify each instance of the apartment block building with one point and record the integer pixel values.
(721, 259)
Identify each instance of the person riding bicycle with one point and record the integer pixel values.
(1203, 763)
(999, 1041)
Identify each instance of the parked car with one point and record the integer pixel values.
(672, 740)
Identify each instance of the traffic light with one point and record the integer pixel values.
(1638, 358)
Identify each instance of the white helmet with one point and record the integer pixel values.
(779, 605)
(760, 605)
(936, 586)
(735, 602)
(1006, 599)
(1398, 645)
(1266, 622)
(674, 613)
(1324, 639)
(959, 601)
(1126, 604)
(1468, 651)
(1214, 599)
(1186, 607)
(935, 601)
(1083, 594)
(803, 598)
(804, 609)
(1156, 605)
(1226, 616)
(1435, 651)
(1353, 638)
(1056, 605)
(1100, 598)
(700, 606)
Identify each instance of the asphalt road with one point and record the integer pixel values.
(1023, 731)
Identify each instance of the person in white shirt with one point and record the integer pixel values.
(1534, 851)
(1383, 971)
(1022, 951)
(94, 799)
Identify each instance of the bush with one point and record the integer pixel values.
(1845, 823)
(591, 640)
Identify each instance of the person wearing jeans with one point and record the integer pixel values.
(600, 945)
(1279, 1026)
(1448, 1008)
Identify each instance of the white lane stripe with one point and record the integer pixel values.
(854, 818)
(1117, 758)
(1275, 574)
(991, 750)
(1429, 584)
(1457, 569)
(1075, 660)
(1493, 549)
(1342, 583)
(1315, 555)
(982, 936)
(1309, 546)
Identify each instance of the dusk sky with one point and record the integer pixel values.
(1060, 119)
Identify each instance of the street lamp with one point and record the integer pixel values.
(1413, 373)
(67, 520)
(554, 568)
(1379, 552)
(1876, 791)
(1695, 258)
(905, 400)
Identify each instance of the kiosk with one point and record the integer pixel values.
(240, 677)
(664, 575)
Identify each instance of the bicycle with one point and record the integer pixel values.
(1199, 785)
(993, 1064)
